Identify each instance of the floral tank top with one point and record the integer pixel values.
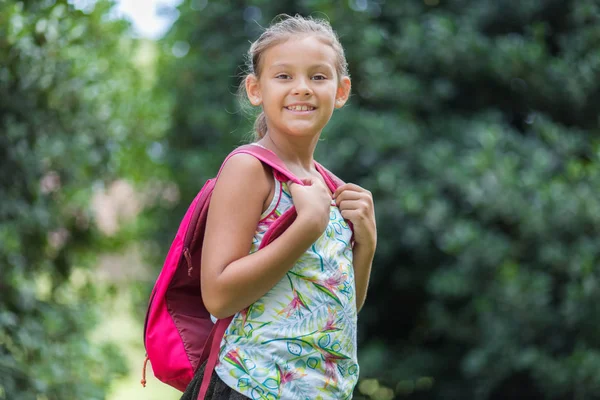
(298, 341)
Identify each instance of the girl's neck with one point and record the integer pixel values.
(296, 154)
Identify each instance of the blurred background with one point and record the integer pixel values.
(475, 123)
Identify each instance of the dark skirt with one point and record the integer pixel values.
(217, 389)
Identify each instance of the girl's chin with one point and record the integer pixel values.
(302, 131)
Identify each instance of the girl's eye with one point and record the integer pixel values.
(319, 77)
(282, 76)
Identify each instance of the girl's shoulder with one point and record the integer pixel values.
(243, 183)
(244, 170)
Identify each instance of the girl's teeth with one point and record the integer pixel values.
(300, 108)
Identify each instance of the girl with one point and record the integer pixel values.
(295, 302)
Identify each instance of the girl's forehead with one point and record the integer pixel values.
(308, 49)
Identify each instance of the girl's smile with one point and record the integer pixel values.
(301, 108)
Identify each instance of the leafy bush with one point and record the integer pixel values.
(75, 113)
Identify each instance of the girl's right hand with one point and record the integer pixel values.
(312, 202)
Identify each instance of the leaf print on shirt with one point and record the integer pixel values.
(330, 324)
(296, 303)
(335, 230)
(260, 390)
(330, 376)
(248, 326)
(321, 343)
(233, 358)
(285, 376)
(336, 282)
(306, 322)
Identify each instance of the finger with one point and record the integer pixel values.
(358, 205)
(348, 195)
(350, 187)
(303, 182)
(291, 184)
(321, 185)
(352, 215)
(319, 182)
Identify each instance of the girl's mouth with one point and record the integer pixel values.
(300, 108)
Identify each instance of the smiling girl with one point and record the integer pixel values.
(295, 302)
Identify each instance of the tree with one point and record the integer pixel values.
(75, 113)
(473, 124)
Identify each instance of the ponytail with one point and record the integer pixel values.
(260, 126)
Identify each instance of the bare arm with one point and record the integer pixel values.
(231, 278)
(356, 205)
(362, 260)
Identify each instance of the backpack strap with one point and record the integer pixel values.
(280, 170)
(211, 352)
(266, 156)
(330, 178)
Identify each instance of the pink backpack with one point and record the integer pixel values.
(178, 332)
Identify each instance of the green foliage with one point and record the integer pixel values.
(475, 134)
(74, 113)
(474, 123)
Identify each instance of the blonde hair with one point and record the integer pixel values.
(279, 32)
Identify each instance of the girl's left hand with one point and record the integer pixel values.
(356, 205)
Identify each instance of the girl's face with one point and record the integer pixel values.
(298, 86)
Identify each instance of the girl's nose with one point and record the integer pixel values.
(302, 89)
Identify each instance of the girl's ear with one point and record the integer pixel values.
(343, 92)
(253, 90)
